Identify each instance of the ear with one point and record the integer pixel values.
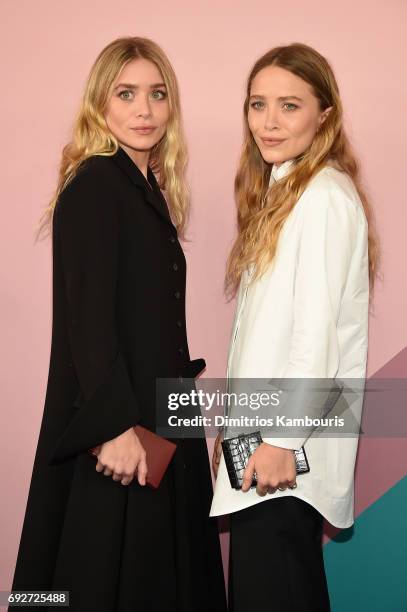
(324, 115)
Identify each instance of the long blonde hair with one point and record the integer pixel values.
(91, 135)
(262, 210)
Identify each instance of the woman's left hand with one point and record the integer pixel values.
(274, 467)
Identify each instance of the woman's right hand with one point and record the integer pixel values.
(123, 457)
(217, 452)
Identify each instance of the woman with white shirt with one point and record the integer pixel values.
(303, 264)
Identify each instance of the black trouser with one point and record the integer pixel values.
(276, 561)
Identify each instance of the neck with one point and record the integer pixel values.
(140, 158)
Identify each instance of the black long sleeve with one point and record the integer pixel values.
(88, 238)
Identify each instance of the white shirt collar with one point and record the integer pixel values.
(282, 170)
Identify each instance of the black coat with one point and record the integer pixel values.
(118, 324)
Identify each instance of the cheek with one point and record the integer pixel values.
(163, 115)
(161, 118)
(112, 116)
(253, 122)
(119, 114)
(303, 128)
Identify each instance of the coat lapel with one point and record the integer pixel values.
(153, 194)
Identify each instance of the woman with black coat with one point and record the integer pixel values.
(93, 527)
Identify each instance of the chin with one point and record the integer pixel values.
(138, 145)
(271, 158)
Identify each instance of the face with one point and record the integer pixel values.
(283, 114)
(137, 112)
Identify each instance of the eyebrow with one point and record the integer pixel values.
(280, 99)
(133, 86)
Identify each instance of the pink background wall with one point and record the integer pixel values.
(47, 49)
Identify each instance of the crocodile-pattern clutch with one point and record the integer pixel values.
(237, 452)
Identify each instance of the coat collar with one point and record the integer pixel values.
(150, 187)
(282, 170)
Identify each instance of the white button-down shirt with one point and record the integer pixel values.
(307, 317)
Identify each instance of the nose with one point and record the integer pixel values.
(271, 118)
(142, 107)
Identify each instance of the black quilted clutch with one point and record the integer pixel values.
(238, 450)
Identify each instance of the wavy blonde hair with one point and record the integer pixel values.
(263, 210)
(91, 135)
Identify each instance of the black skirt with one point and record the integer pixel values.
(131, 548)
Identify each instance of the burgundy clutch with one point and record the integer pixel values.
(159, 453)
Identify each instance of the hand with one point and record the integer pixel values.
(217, 452)
(274, 467)
(123, 457)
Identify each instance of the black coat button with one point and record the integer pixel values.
(179, 323)
(175, 266)
(177, 295)
(180, 351)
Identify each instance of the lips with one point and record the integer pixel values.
(143, 130)
(273, 141)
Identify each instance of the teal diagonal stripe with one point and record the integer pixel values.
(366, 565)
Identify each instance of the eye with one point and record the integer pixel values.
(159, 94)
(293, 106)
(126, 94)
(257, 105)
